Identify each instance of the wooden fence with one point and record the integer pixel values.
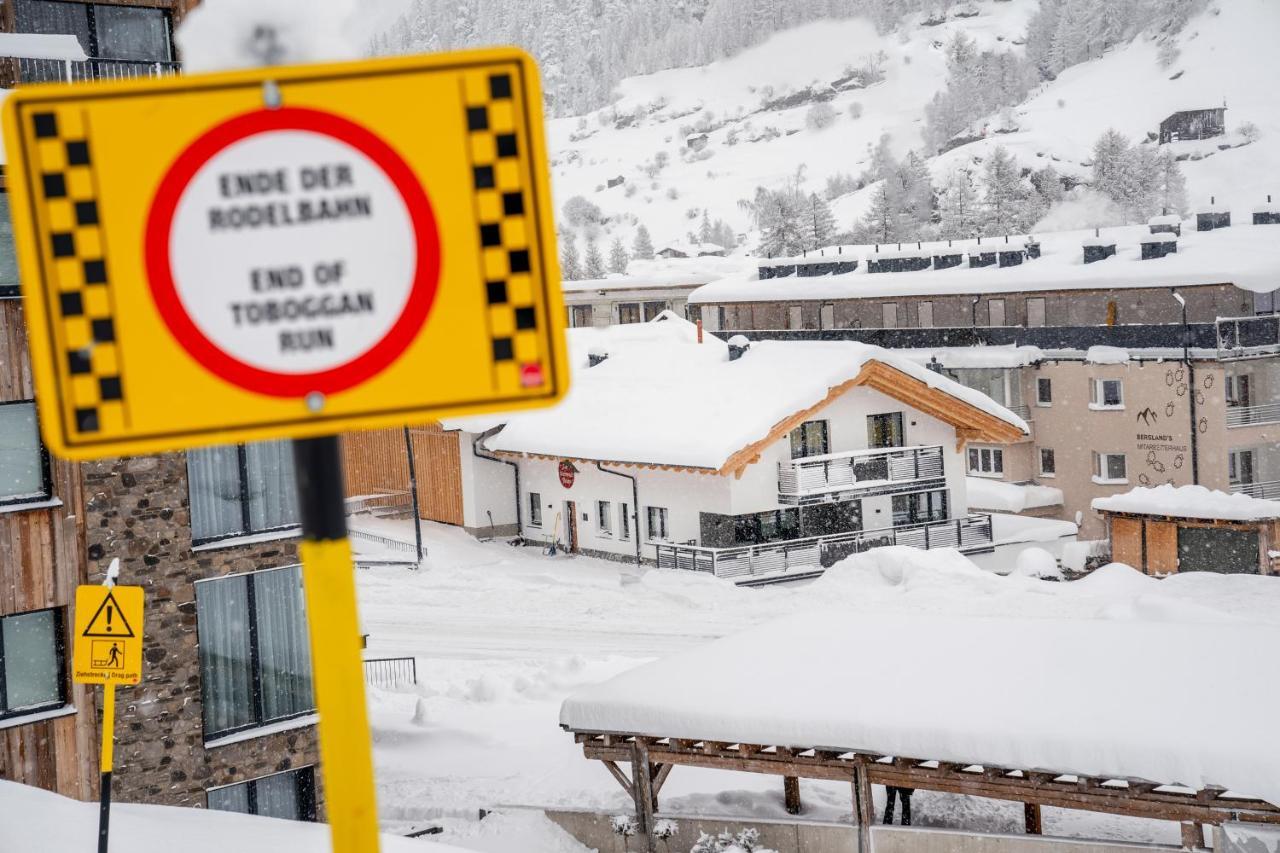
(376, 462)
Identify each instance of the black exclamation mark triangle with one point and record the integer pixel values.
(103, 623)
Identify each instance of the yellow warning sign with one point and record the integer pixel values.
(285, 252)
(108, 635)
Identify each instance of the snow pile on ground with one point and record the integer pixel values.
(221, 34)
(986, 493)
(1190, 502)
(503, 635)
(625, 408)
(1037, 563)
(32, 819)
(1132, 718)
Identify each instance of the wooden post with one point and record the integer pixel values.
(642, 784)
(1192, 835)
(1031, 818)
(862, 806)
(791, 793)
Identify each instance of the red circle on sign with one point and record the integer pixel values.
(566, 473)
(169, 303)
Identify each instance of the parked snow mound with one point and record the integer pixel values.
(1115, 580)
(1037, 563)
(33, 819)
(898, 565)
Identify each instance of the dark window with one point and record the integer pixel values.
(653, 309)
(658, 523)
(828, 519)
(884, 430)
(535, 509)
(1044, 390)
(579, 316)
(624, 521)
(629, 312)
(32, 671)
(1215, 549)
(809, 439)
(121, 41)
(1048, 467)
(604, 517)
(920, 507)
(290, 795)
(24, 464)
(8, 258)
(237, 489)
(255, 657)
(986, 461)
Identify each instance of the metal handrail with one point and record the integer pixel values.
(93, 68)
(391, 672)
(781, 557)
(1265, 489)
(837, 471)
(1265, 413)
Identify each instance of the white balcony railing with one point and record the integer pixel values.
(1238, 416)
(808, 477)
(806, 557)
(1266, 489)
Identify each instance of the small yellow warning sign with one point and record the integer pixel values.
(108, 635)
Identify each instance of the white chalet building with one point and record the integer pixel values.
(755, 462)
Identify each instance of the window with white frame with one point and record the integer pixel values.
(290, 795)
(1109, 468)
(24, 464)
(32, 663)
(1044, 391)
(1048, 466)
(535, 509)
(241, 488)
(624, 521)
(986, 461)
(604, 517)
(255, 655)
(1106, 394)
(658, 529)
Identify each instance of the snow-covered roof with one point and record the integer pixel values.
(42, 46)
(1190, 502)
(1098, 241)
(1163, 237)
(1166, 219)
(1106, 355)
(985, 493)
(694, 250)
(662, 398)
(1245, 255)
(1133, 717)
(618, 281)
(1268, 207)
(1005, 355)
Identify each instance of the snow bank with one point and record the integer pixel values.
(662, 398)
(1190, 502)
(985, 493)
(222, 34)
(1037, 563)
(1106, 355)
(33, 819)
(1132, 718)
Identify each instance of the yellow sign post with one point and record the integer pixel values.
(289, 253)
(107, 650)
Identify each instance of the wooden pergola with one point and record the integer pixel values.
(652, 757)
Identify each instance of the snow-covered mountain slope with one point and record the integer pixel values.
(1226, 57)
(753, 109)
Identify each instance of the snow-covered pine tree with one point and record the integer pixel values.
(593, 261)
(642, 247)
(570, 265)
(1170, 185)
(820, 225)
(1111, 164)
(958, 206)
(722, 235)
(618, 257)
(881, 222)
(1008, 206)
(918, 197)
(780, 216)
(465, 32)
(704, 230)
(1048, 184)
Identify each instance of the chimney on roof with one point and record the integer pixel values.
(596, 355)
(738, 346)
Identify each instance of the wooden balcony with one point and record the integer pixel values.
(813, 479)
(792, 559)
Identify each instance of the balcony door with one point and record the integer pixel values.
(885, 430)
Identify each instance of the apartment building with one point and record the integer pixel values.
(224, 716)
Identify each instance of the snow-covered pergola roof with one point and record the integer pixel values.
(1110, 714)
(55, 46)
(1197, 502)
(1245, 255)
(660, 398)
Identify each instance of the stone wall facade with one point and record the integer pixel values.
(137, 509)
